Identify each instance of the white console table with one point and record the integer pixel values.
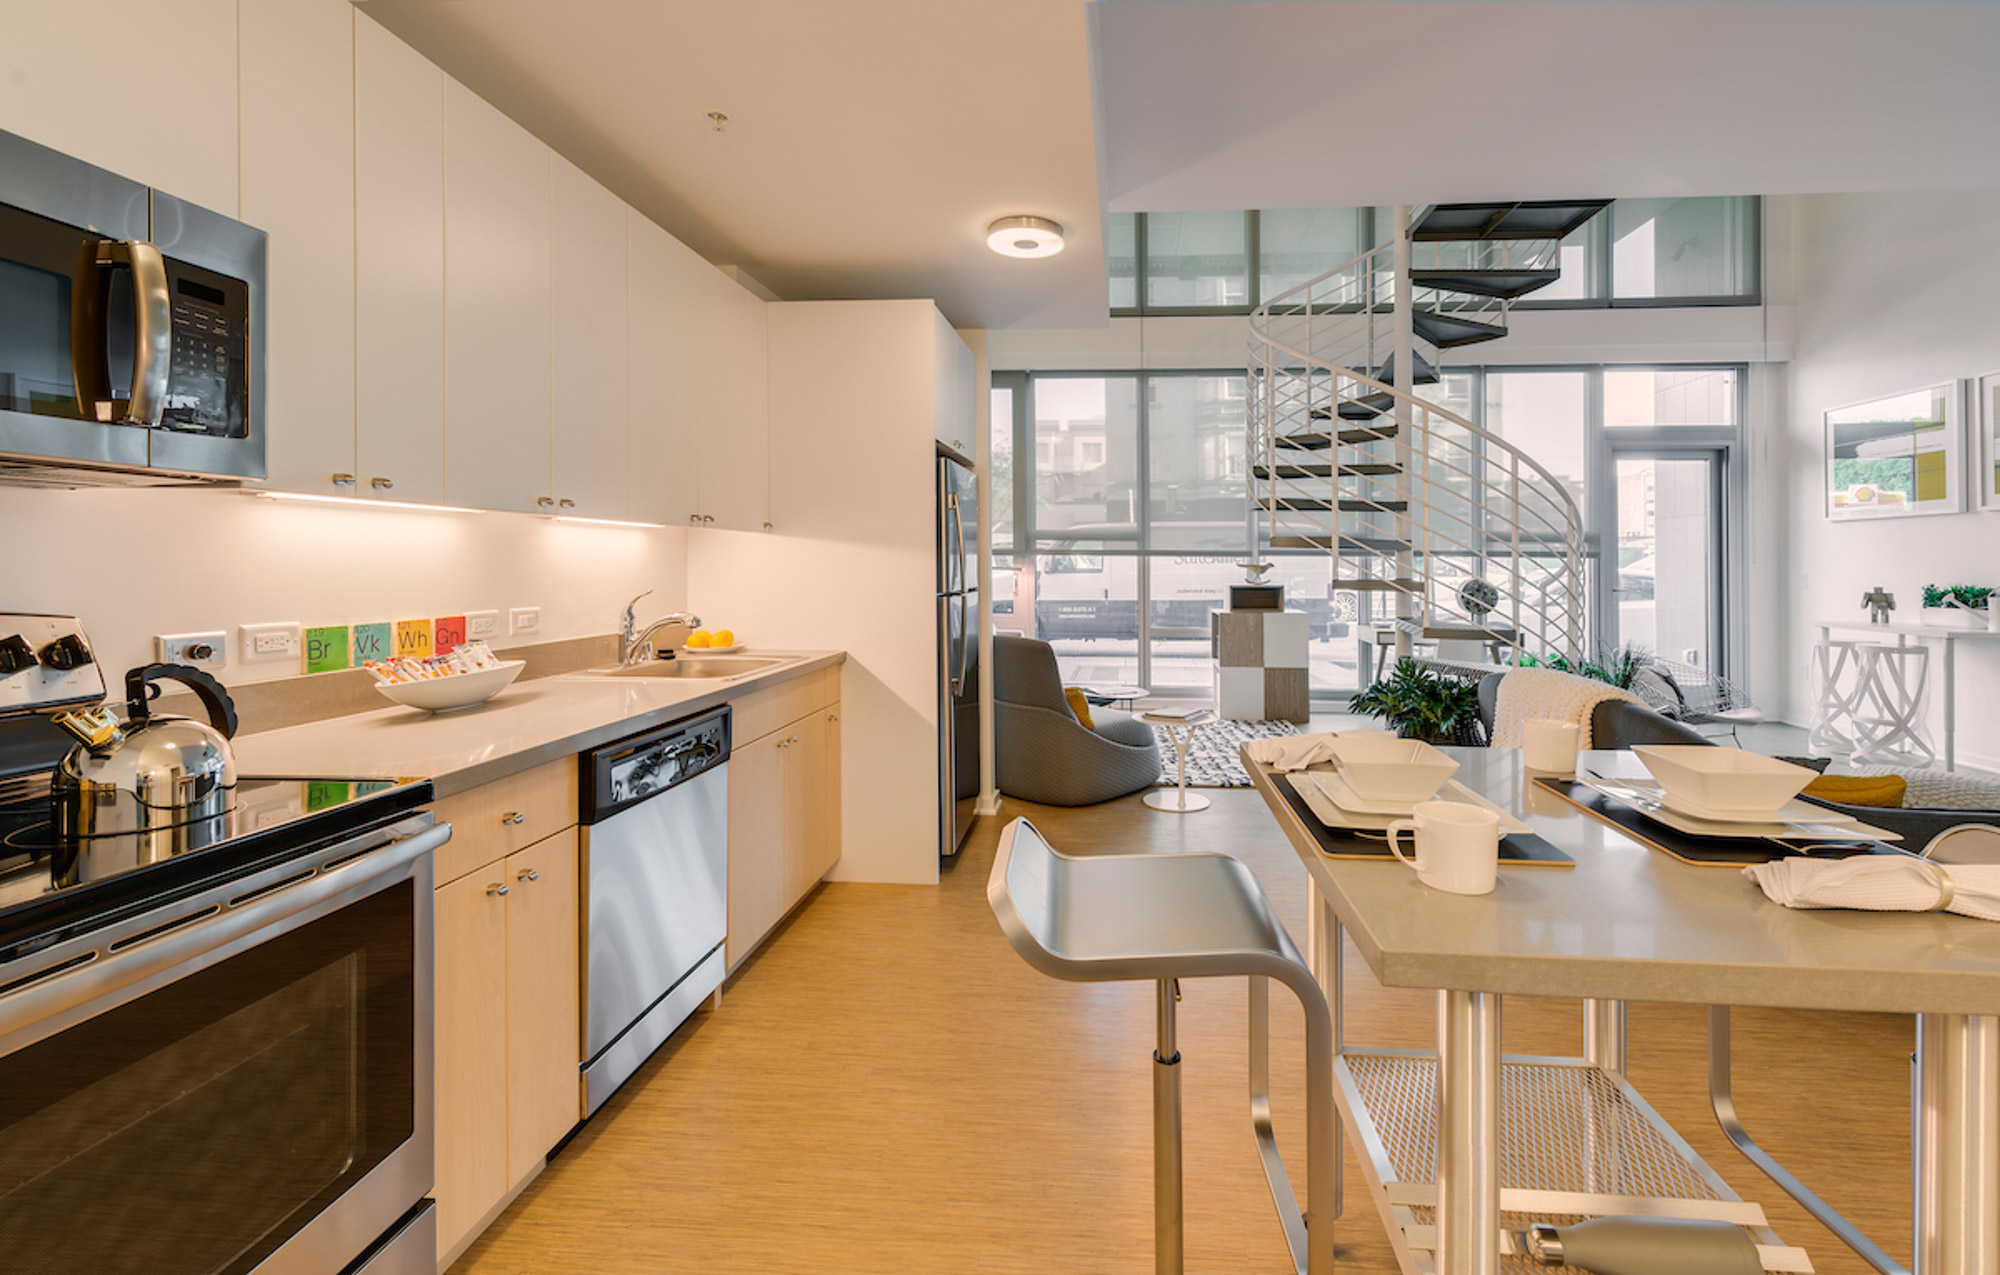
(1948, 639)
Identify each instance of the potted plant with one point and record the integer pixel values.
(1958, 606)
(1421, 704)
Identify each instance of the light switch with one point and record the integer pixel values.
(524, 620)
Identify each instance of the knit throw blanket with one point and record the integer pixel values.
(1529, 694)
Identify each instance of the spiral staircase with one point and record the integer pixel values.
(1467, 536)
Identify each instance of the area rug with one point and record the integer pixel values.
(1212, 760)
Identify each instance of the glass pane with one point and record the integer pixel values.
(1684, 247)
(1086, 459)
(1307, 581)
(1666, 560)
(1197, 259)
(1544, 415)
(1000, 467)
(1184, 589)
(1012, 595)
(1581, 259)
(1670, 396)
(1087, 608)
(1296, 244)
(1198, 494)
(1121, 252)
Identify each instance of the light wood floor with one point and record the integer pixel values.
(887, 1088)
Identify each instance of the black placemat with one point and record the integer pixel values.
(1704, 852)
(1517, 850)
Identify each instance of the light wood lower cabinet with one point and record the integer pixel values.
(784, 823)
(508, 1027)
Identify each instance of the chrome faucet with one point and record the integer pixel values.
(632, 640)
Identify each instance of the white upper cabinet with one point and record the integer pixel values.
(399, 268)
(591, 455)
(665, 373)
(734, 453)
(497, 308)
(951, 390)
(297, 86)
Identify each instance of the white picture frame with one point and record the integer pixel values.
(1985, 421)
(1896, 456)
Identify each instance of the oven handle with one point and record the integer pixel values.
(207, 942)
(90, 330)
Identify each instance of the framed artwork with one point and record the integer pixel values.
(1986, 421)
(1896, 457)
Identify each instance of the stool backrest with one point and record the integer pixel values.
(1025, 895)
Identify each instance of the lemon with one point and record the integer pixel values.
(722, 637)
(699, 639)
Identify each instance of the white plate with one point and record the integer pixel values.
(1793, 811)
(699, 651)
(1341, 794)
(1313, 785)
(461, 690)
(1825, 825)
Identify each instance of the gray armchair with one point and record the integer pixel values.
(1041, 753)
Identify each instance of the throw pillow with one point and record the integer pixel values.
(1859, 790)
(1080, 706)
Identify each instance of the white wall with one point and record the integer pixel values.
(134, 563)
(851, 563)
(1895, 294)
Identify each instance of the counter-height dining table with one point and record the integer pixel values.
(1461, 1146)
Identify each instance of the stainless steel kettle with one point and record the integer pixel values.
(151, 773)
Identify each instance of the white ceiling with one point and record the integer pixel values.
(870, 141)
(1260, 104)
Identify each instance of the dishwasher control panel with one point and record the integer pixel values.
(631, 770)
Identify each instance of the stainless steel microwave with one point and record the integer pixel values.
(131, 330)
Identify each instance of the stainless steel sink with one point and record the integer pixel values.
(710, 667)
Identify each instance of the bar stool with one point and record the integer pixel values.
(1890, 706)
(1837, 686)
(1165, 917)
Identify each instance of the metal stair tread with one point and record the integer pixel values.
(1294, 470)
(1529, 219)
(1348, 505)
(1508, 284)
(1448, 331)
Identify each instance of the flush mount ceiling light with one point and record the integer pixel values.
(1025, 237)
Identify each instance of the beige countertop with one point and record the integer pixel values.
(1632, 923)
(524, 726)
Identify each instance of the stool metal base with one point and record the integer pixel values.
(1176, 800)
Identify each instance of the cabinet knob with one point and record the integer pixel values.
(513, 817)
(527, 874)
(545, 502)
(708, 517)
(767, 526)
(381, 484)
(565, 504)
(833, 717)
(495, 890)
(343, 480)
(694, 517)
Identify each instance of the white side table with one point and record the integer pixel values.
(1178, 801)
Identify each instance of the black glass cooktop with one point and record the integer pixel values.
(269, 819)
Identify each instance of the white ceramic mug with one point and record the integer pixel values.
(1550, 745)
(1457, 847)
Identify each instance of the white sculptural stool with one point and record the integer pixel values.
(1891, 705)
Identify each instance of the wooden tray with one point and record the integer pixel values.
(1701, 852)
(1517, 850)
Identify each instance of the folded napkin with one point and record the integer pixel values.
(1290, 752)
(1882, 883)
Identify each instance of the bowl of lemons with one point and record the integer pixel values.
(718, 642)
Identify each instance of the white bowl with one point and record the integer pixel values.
(1382, 768)
(1728, 781)
(460, 690)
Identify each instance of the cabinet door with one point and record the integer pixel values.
(297, 87)
(588, 278)
(398, 267)
(496, 306)
(756, 841)
(805, 777)
(544, 1032)
(471, 1055)
(828, 809)
(734, 455)
(666, 372)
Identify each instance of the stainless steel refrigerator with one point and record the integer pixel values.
(958, 651)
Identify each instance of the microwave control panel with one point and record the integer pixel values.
(207, 374)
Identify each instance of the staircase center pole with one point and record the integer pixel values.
(1406, 370)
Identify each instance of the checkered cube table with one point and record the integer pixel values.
(1260, 665)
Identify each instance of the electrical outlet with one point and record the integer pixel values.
(267, 642)
(203, 650)
(524, 620)
(482, 624)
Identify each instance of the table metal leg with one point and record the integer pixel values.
(1604, 1035)
(1950, 706)
(1468, 1147)
(1167, 1235)
(1958, 1145)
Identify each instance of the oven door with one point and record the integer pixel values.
(239, 1083)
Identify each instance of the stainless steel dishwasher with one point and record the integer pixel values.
(655, 870)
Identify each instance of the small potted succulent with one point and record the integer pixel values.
(1959, 606)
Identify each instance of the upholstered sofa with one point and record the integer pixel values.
(1042, 753)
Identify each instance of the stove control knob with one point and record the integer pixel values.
(66, 652)
(15, 655)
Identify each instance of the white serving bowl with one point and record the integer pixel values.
(1386, 769)
(461, 690)
(1727, 781)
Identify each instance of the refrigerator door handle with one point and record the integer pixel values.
(964, 647)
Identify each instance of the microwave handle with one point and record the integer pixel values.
(90, 330)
